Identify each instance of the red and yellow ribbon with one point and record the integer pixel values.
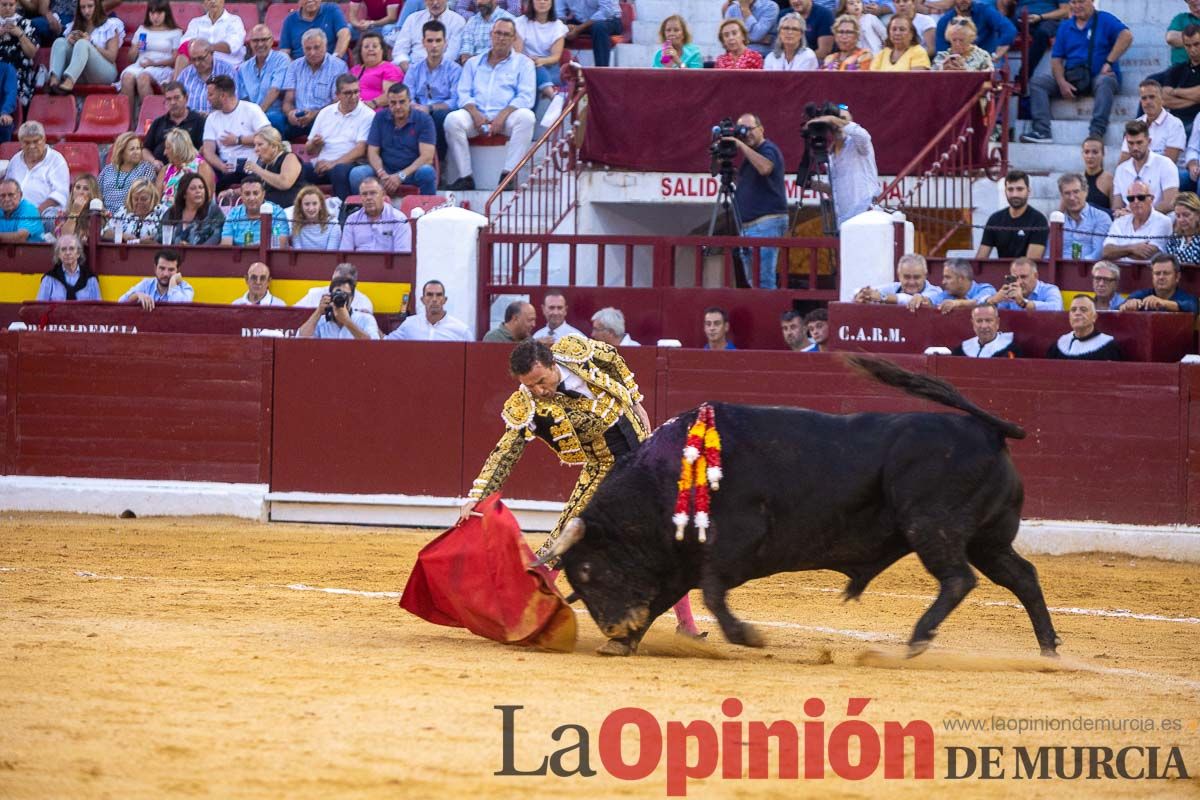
(700, 471)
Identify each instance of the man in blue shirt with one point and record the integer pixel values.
(994, 32)
(310, 15)
(309, 84)
(1166, 294)
(400, 147)
(260, 79)
(599, 19)
(760, 196)
(1085, 227)
(1022, 291)
(495, 95)
(8, 100)
(167, 285)
(432, 81)
(243, 227)
(1087, 30)
(716, 329)
(20, 221)
(959, 288)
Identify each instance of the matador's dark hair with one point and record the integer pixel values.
(528, 353)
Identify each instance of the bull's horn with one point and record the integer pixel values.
(572, 532)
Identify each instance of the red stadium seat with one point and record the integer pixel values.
(425, 202)
(57, 115)
(248, 12)
(104, 118)
(132, 15)
(186, 12)
(276, 14)
(153, 107)
(84, 89)
(81, 157)
(8, 150)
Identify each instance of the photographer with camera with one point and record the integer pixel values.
(760, 198)
(333, 318)
(831, 132)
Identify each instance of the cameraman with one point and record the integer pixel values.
(761, 199)
(851, 164)
(333, 317)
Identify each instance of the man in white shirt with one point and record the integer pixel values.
(337, 142)
(608, 326)
(1167, 135)
(225, 32)
(347, 270)
(258, 288)
(229, 131)
(1139, 233)
(1157, 172)
(41, 172)
(554, 309)
(408, 45)
(435, 325)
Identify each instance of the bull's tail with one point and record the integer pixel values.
(927, 388)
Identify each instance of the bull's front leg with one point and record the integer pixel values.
(736, 631)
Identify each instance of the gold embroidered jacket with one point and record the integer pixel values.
(579, 430)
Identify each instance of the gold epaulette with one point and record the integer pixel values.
(518, 410)
(573, 349)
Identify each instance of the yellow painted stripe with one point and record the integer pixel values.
(387, 298)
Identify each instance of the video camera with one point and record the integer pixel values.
(818, 138)
(723, 152)
(339, 298)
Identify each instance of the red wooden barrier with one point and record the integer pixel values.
(368, 417)
(1111, 442)
(190, 318)
(148, 407)
(892, 329)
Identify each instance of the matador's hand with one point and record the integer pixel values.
(468, 508)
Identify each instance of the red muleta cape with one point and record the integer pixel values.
(475, 576)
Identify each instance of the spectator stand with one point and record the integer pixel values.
(215, 271)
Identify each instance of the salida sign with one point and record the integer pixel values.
(673, 187)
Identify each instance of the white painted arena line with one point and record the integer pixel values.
(300, 587)
(1117, 613)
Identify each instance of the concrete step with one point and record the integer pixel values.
(1052, 159)
(1124, 107)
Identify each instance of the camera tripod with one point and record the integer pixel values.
(816, 165)
(725, 208)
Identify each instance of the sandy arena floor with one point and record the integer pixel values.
(165, 657)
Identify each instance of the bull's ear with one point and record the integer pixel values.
(572, 532)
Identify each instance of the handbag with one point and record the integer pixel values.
(1081, 76)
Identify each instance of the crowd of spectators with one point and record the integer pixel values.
(381, 98)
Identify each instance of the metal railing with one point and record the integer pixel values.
(935, 188)
(542, 190)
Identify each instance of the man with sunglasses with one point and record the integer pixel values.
(1139, 234)
(337, 142)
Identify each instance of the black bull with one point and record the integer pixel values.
(804, 490)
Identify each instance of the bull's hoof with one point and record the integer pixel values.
(617, 647)
(916, 648)
(1049, 652)
(746, 636)
(698, 636)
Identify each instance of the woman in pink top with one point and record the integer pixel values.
(734, 38)
(375, 70)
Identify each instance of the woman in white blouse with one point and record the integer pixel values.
(791, 54)
(151, 54)
(87, 50)
(540, 35)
